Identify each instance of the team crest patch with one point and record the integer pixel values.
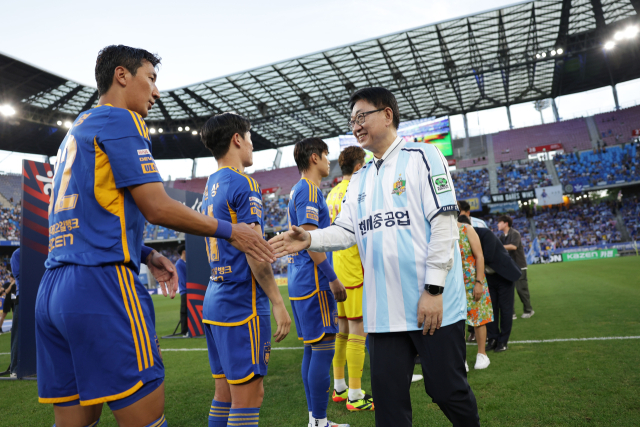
(335, 318)
(441, 183)
(400, 186)
(267, 353)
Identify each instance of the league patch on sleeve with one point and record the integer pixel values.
(312, 213)
(143, 152)
(149, 168)
(441, 183)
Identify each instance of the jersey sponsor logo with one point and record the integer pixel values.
(441, 183)
(361, 197)
(312, 213)
(267, 353)
(256, 211)
(149, 168)
(82, 119)
(388, 219)
(255, 200)
(400, 186)
(214, 189)
(312, 209)
(143, 152)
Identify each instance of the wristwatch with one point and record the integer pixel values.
(434, 290)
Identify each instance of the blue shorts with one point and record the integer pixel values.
(315, 316)
(95, 335)
(239, 353)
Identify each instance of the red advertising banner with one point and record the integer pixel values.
(452, 162)
(269, 190)
(635, 132)
(545, 148)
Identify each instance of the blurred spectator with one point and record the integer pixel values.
(471, 183)
(10, 222)
(602, 167)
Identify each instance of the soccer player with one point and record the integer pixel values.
(313, 285)
(236, 306)
(95, 332)
(181, 268)
(401, 210)
(350, 341)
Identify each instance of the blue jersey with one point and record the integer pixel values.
(306, 206)
(181, 267)
(233, 296)
(93, 219)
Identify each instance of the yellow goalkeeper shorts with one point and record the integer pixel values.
(351, 308)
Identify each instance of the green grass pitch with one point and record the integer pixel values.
(586, 383)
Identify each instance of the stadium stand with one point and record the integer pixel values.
(5, 274)
(615, 127)
(10, 223)
(602, 167)
(519, 177)
(512, 144)
(195, 185)
(630, 212)
(467, 163)
(275, 211)
(520, 223)
(471, 183)
(284, 178)
(11, 187)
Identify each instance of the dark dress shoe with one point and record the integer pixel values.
(492, 344)
(471, 337)
(501, 347)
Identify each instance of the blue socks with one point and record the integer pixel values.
(160, 422)
(219, 413)
(306, 361)
(244, 417)
(318, 377)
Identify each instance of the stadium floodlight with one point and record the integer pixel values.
(619, 35)
(553, 53)
(543, 54)
(59, 122)
(180, 129)
(538, 56)
(152, 130)
(609, 45)
(7, 110)
(68, 124)
(560, 51)
(631, 32)
(160, 130)
(187, 128)
(195, 132)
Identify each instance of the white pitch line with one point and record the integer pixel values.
(510, 342)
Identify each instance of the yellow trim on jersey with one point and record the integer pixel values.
(159, 422)
(131, 321)
(242, 322)
(113, 397)
(243, 380)
(233, 214)
(253, 351)
(143, 125)
(315, 273)
(144, 323)
(108, 196)
(58, 399)
(136, 316)
(218, 376)
(133, 116)
(313, 191)
(316, 340)
(253, 184)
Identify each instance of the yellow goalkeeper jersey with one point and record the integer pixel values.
(346, 263)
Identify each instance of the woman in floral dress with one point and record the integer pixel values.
(479, 308)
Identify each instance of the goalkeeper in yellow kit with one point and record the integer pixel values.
(350, 341)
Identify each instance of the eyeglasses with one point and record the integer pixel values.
(361, 116)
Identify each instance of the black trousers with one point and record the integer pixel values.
(14, 335)
(183, 314)
(501, 291)
(442, 357)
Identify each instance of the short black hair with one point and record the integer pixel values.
(181, 249)
(464, 219)
(350, 158)
(217, 132)
(464, 205)
(114, 56)
(507, 219)
(379, 97)
(304, 149)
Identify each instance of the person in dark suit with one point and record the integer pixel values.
(502, 272)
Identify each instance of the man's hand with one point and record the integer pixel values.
(283, 321)
(339, 292)
(250, 241)
(295, 240)
(429, 312)
(477, 292)
(164, 272)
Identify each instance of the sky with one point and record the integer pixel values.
(202, 40)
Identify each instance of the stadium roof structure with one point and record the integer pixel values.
(524, 52)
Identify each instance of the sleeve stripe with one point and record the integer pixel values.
(433, 192)
(344, 228)
(133, 116)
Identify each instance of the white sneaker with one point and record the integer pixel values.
(514, 317)
(528, 315)
(482, 361)
(332, 424)
(416, 378)
(466, 366)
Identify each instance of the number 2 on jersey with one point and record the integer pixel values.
(65, 202)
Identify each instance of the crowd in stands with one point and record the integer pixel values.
(11, 187)
(520, 177)
(630, 212)
(5, 273)
(615, 127)
(582, 224)
(603, 166)
(10, 222)
(275, 210)
(471, 183)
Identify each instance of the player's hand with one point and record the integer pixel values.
(283, 321)
(339, 292)
(477, 292)
(164, 272)
(429, 312)
(248, 240)
(295, 240)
